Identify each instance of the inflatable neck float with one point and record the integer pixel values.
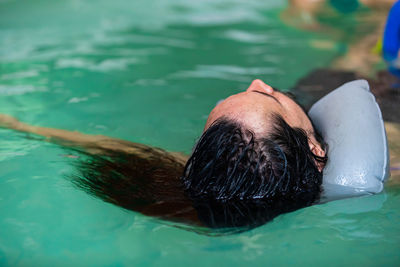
(350, 121)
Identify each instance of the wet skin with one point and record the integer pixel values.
(255, 107)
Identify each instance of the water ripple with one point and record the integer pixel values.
(116, 64)
(225, 72)
(7, 90)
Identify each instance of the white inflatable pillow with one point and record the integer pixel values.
(350, 121)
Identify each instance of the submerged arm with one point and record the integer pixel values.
(94, 144)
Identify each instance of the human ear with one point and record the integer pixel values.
(317, 150)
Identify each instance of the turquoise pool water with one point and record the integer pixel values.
(149, 72)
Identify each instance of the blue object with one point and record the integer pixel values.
(391, 38)
(351, 123)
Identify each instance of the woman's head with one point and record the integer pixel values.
(257, 145)
(254, 109)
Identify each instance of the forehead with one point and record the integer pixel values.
(250, 109)
(229, 105)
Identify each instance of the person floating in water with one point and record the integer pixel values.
(259, 156)
(258, 147)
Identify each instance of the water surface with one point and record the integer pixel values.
(149, 72)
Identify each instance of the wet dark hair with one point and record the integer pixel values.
(231, 183)
(235, 179)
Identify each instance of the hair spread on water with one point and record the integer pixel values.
(146, 181)
(232, 180)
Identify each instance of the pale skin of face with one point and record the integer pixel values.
(255, 107)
